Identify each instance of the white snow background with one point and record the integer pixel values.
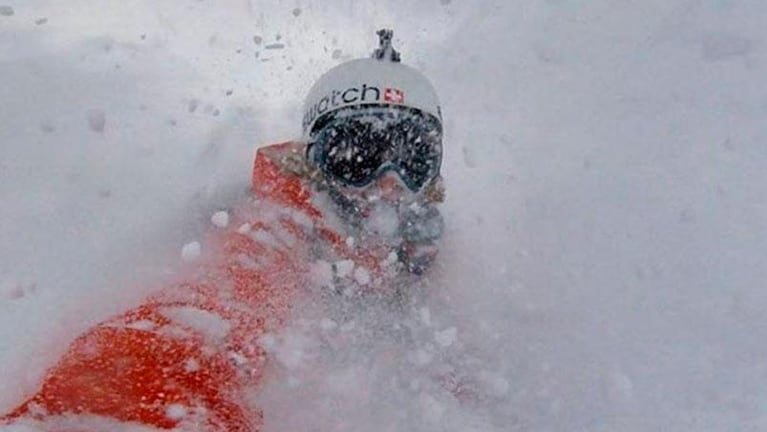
(604, 266)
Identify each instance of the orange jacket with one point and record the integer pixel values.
(189, 355)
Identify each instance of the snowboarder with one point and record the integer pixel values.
(350, 208)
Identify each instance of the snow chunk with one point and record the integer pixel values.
(244, 228)
(362, 276)
(266, 238)
(344, 268)
(175, 411)
(238, 358)
(143, 325)
(391, 259)
(383, 220)
(289, 350)
(191, 365)
(446, 337)
(191, 251)
(220, 219)
(211, 326)
(350, 241)
(321, 273)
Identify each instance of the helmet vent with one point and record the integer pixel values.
(385, 51)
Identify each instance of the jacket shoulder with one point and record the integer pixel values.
(277, 176)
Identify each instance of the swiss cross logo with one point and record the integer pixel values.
(394, 95)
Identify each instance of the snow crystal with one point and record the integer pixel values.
(175, 411)
(362, 276)
(350, 241)
(220, 219)
(446, 337)
(191, 251)
(344, 268)
(244, 228)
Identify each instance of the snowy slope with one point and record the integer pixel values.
(607, 208)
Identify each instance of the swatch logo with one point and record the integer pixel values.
(364, 94)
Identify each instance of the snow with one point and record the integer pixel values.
(361, 276)
(175, 411)
(446, 337)
(191, 365)
(213, 327)
(321, 273)
(220, 219)
(344, 268)
(191, 251)
(605, 214)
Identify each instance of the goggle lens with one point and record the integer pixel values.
(356, 148)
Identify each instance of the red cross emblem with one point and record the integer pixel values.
(394, 95)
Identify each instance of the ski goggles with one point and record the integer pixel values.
(357, 146)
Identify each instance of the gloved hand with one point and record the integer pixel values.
(421, 227)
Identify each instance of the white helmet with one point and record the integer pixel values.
(381, 80)
(370, 116)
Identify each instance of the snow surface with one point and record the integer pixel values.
(607, 200)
